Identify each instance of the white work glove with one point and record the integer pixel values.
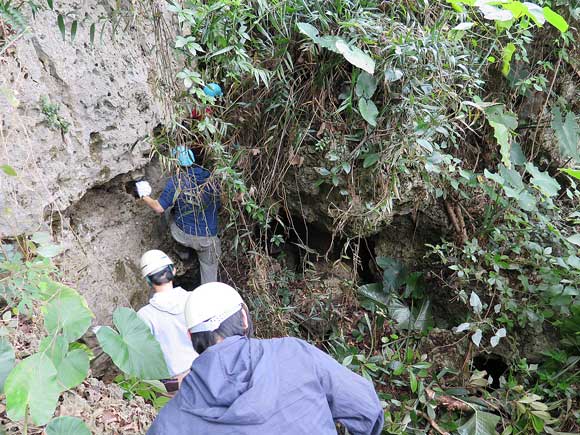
(143, 188)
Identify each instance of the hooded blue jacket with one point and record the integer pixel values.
(195, 202)
(273, 387)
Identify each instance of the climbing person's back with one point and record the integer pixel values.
(278, 386)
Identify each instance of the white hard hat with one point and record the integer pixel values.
(209, 305)
(153, 261)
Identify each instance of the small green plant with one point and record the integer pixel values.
(152, 391)
(52, 116)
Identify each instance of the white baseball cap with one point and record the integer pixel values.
(209, 305)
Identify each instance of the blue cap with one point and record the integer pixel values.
(185, 156)
(213, 90)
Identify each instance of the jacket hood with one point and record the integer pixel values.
(232, 382)
(171, 301)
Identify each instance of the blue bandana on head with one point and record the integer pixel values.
(185, 156)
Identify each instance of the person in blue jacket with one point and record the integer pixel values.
(195, 205)
(241, 385)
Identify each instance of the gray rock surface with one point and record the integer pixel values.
(107, 95)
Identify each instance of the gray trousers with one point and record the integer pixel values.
(208, 251)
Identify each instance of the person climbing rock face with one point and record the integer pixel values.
(194, 216)
(165, 316)
(243, 385)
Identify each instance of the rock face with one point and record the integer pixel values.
(105, 94)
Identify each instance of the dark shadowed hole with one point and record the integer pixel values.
(493, 364)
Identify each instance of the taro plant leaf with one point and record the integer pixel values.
(67, 313)
(368, 111)
(66, 425)
(133, 349)
(400, 313)
(356, 56)
(422, 317)
(543, 181)
(480, 423)
(6, 361)
(32, 384)
(394, 273)
(366, 85)
(574, 239)
(309, 30)
(72, 367)
(375, 293)
(567, 133)
(49, 251)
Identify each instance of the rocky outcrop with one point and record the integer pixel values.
(106, 110)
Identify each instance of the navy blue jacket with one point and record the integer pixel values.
(195, 202)
(273, 387)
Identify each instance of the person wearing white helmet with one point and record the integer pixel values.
(243, 385)
(164, 314)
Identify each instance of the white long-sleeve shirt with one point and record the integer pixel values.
(165, 317)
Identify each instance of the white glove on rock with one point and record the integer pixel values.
(143, 188)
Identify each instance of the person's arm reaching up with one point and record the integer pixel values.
(351, 398)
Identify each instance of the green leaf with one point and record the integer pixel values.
(567, 133)
(92, 34)
(370, 160)
(49, 251)
(67, 312)
(574, 239)
(368, 111)
(8, 170)
(366, 85)
(543, 181)
(7, 359)
(32, 384)
(571, 172)
(507, 54)
(393, 74)
(375, 293)
(503, 123)
(308, 30)
(66, 425)
(50, 4)
(72, 367)
(555, 19)
(394, 273)
(73, 30)
(356, 56)
(413, 381)
(61, 26)
(480, 423)
(41, 238)
(134, 349)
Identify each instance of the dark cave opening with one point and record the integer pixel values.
(494, 364)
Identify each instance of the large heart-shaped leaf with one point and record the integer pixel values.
(356, 56)
(67, 426)
(67, 312)
(394, 273)
(366, 85)
(480, 423)
(543, 181)
(72, 367)
(32, 384)
(375, 293)
(133, 349)
(368, 111)
(6, 361)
